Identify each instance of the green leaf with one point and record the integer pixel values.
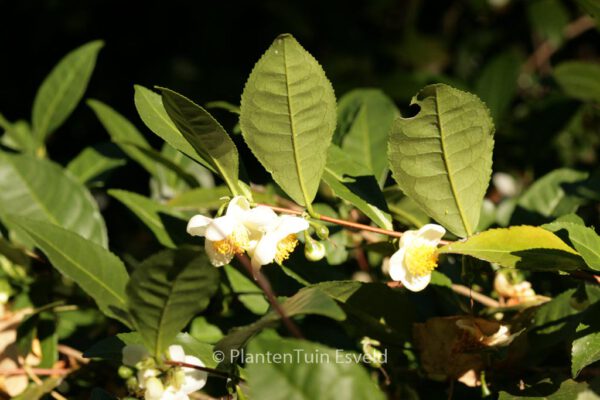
(166, 291)
(353, 183)
(592, 7)
(442, 157)
(404, 209)
(167, 224)
(586, 347)
(206, 135)
(497, 83)
(568, 390)
(17, 136)
(584, 239)
(95, 162)
(526, 247)
(365, 117)
(580, 80)
(24, 190)
(554, 194)
(124, 134)
(288, 117)
(548, 19)
(252, 298)
(62, 89)
(152, 111)
(204, 331)
(97, 271)
(306, 301)
(201, 198)
(329, 376)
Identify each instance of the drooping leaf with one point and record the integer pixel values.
(124, 134)
(166, 291)
(580, 80)
(288, 117)
(24, 190)
(95, 162)
(442, 157)
(306, 301)
(585, 240)
(554, 194)
(97, 271)
(206, 135)
(152, 111)
(497, 83)
(333, 376)
(62, 89)
(365, 117)
(167, 224)
(355, 184)
(526, 247)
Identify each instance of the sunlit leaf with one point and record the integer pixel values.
(442, 157)
(93, 163)
(288, 117)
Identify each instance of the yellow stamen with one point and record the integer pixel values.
(421, 260)
(235, 243)
(285, 248)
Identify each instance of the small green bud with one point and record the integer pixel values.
(125, 372)
(132, 384)
(313, 250)
(322, 232)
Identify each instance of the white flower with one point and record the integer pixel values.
(417, 257)
(186, 380)
(225, 236)
(279, 239)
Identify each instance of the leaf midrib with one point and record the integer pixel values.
(461, 212)
(293, 130)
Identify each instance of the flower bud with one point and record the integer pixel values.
(132, 384)
(313, 250)
(125, 372)
(322, 231)
(154, 388)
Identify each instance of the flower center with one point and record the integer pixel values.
(235, 243)
(421, 260)
(285, 248)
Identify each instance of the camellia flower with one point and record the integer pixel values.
(279, 239)
(173, 383)
(417, 257)
(225, 236)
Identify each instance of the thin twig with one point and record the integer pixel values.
(546, 49)
(341, 222)
(479, 297)
(73, 353)
(265, 285)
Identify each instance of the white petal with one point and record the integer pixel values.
(197, 225)
(154, 389)
(176, 353)
(237, 207)
(194, 379)
(265, 250)
(217, 259)
(407, 238)
(289, 225)
(133, 354)
(396, 265)
(433, 233)
(416, 283)
(261, 218)
(220, 228)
